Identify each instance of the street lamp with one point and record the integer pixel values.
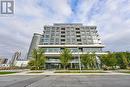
(79, 61)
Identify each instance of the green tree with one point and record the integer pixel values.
(65, 57)
(125, 62)
(38, 59)
(108, 60)
(122, 60)
(93, 60)
(89, 60)
(86, 60)
(119, 59)
(128, 57)
(112, 60)
(103, 59)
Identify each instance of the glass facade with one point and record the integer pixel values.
(70, 35)
(52, 50)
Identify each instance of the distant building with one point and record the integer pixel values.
(3, 60)
(15, 57)
(78, 38)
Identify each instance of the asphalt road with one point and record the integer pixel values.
(65, 81)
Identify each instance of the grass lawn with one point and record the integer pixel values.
(3, 73)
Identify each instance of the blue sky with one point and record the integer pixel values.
(112, 18)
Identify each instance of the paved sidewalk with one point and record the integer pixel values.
(48, 72)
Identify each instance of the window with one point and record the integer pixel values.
(46, 36)
(52, 40)
(57, 43)
(53, 30)
(52, 49)
(68, 34)
(78, 39)
(77, 28)
(89, 41)
(62, 28)
(51, 43)
(62, 32)
(62, 35)
(68, 43)
(57, 39)
(67, 31)
(89, 38)
(68, 39)
(81, 49)
(74, 49)
(92, 49)
(72, 36)
(62, 39)
(92, 27)
(83, 36)
(47, 28)
(77, 35)
(57, 34)
(45, 43)
(53, 34)
(45, 40)
(47, 32)
(79, 43)
(77, 32)
(57, 29)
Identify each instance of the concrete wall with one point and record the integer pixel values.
(21, 63)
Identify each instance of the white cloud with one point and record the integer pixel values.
(110, 16)
(60, 7)
(16, 31)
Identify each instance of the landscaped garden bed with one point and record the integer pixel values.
(35, 71)
(78, 71)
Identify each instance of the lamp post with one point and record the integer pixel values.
(79, 61)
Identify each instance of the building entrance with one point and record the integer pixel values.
(52, 66)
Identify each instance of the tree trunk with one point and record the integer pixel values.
(64, 67)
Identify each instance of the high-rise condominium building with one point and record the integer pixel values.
(78, 38)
